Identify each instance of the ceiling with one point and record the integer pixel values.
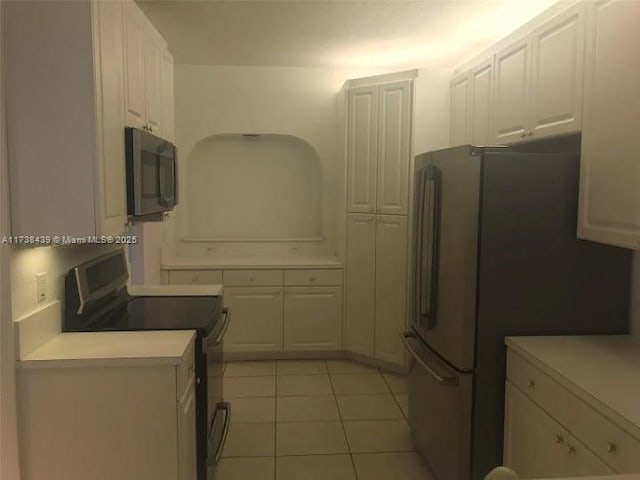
(335, 33)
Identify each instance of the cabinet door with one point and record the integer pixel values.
(394, 147)
(362, 149)
(111, 200)
(391, 288)
(187, 436)
(557, 52)
(256, 319)
(582, 461)
(168, 118)
(534, 444)
(153, 53)
(609, 208)
(360, 284)
(511, 92)
(460, 133)
(313, 318)
(481, 83)
(134, 37)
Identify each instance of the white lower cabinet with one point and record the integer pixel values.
(391, 288)
(376, 291)
(551, 432)
(134, 420)
(536, 446)
(256, 319)
(313, 318)
(186, 438)
(360, 284)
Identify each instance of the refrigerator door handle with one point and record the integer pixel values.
(433, 365)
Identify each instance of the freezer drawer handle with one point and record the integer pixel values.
(442, 377)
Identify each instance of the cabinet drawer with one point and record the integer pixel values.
(186, 370)
(246, 278)
(195, 277)
(313, 277)
(615, 446)
(547, 393)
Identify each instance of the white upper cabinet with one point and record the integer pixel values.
(528, 86)
(379, 148)
(134, 34)
(460, 132)
(145, 55)
(168, 115)
(394, 144)
(557, 54)
(480, 104)
(65, 117)
(511, 92)
(609, 208)
(362, 149)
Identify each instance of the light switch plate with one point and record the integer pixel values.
(41, 287)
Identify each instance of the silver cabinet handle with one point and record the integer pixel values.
(531, 383)
(611, 447)
(571, 449)
(559, 438)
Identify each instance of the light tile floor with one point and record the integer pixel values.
(317, 420)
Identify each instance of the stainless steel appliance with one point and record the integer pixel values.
(496, 254)
(152, 186)
(96, 299)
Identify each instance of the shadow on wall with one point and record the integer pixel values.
(253, 187)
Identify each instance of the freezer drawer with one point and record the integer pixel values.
(439, 411)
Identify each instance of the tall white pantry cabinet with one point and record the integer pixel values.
(379, 125)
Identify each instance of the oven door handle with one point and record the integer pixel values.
(226, 314)
(226, 408)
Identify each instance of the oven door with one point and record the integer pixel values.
(218, 411)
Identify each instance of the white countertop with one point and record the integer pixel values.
(257, 262)
(604, 371)
(93, 349)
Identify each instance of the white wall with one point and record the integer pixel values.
(55, 261)
(9, 466)
(284, 100)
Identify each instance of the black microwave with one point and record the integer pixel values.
(152, 186)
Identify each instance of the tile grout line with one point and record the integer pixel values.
(344, 430)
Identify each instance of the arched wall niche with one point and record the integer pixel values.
(253, 187)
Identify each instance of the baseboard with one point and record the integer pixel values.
(317, 355)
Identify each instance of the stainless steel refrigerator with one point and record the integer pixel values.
(496, 254)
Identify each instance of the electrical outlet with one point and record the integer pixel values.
(41, 287)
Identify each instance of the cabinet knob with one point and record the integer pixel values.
(312, 279)
(198, 381)
(611, 447)
(369, 219)
(571, 449)
(531, 383)
(194, 278)
(252, 279)
(559, 438)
